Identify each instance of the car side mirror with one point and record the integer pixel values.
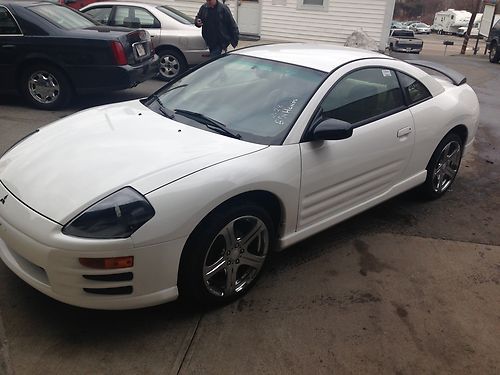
(331, 129)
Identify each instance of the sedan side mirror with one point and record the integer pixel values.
(331, 129)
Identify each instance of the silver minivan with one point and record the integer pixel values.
(176, 40)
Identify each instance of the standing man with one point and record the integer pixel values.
(218, 26)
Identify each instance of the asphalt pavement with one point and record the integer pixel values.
(408, 287)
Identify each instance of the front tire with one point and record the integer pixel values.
(494, 53)
(443, 166)
(46, 87)
(172, 64)
(223, 257)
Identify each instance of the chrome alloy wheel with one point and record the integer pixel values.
(43, 87)
(446, 167)
(236, 256)
(170, 66)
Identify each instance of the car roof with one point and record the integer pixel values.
(319, 56)
(146, 4)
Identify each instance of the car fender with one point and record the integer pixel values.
(447, 109)
(180, 206)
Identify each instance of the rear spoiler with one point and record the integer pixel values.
(455, 77)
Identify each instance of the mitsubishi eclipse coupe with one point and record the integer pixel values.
(186, 192)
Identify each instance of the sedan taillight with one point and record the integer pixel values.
(119, 53)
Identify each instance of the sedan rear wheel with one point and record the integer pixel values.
(494, 53)
(172, 64)
(225, 255)
(46, 87)
(443, 166)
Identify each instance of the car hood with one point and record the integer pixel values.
(67, 166)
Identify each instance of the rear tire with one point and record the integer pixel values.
(223, 257)
(46, 87)
(443, 167)
(172, 64)
(494, 53)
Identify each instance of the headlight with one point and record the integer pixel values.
(116, 216)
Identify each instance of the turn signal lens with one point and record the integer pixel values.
(107, 263)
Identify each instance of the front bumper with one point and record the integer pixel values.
(35, 249)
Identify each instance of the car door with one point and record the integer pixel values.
(341, 175)
(137, 17)
(10, 35)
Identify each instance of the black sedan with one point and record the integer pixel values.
(49, 52)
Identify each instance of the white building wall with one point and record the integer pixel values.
(342, 17)
(190, 7)
(286, 20)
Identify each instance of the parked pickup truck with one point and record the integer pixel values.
(493, 43)
(404, 41)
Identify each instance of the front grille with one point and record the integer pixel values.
(126, 276)
(31, 269)
(110, 291)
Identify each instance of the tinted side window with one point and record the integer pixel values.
(497, 25)
(415, 90)
(100, 14)
(7, 24)
(363, 94)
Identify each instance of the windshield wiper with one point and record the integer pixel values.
(164, 110)
(208, 122)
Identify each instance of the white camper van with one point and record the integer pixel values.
(449, 21)
(475, 27)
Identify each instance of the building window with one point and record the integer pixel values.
(321, 5)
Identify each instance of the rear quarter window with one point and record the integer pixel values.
(415, 90)
(8, 25)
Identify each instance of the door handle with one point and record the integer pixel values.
(404, 131)
(9, 46)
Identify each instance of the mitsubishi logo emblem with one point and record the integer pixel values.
(3, 199)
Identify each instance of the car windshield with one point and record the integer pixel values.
(62, 17)
(176, 15)
(421, 25)
(256, 100)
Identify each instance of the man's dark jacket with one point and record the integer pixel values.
(228, 29)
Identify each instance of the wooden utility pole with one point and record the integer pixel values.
(471, 24)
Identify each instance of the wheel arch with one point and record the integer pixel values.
(25, 64)
(461, 131)
(265, 199)
(166, 47)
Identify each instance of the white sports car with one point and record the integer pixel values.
(186, 192)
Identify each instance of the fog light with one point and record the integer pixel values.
(107, 263)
